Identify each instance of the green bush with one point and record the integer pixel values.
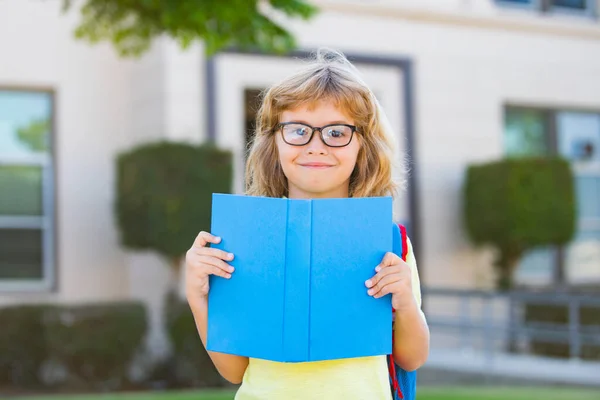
(22, 346)
(164, 198)
(97, 342)
(519, 204)
(191, 363)
(92, 344)
(164, 194)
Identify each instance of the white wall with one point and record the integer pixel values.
(93, 112)
(185, 110)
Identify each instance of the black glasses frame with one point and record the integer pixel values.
(312, 132)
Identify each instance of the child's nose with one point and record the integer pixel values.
(316, 145)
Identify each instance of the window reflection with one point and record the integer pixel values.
(21, 192)
(20, 254)
(525, 133)
(24, 122)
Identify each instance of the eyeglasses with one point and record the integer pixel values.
(297, 134)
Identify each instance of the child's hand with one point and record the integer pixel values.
(202, 261)
(393, 276)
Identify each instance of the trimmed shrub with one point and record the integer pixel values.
(22, 345)
(164, 195)
(91, 346)
(96, 343)
(517, 205)
(192, 365)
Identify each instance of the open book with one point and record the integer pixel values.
(298, 291)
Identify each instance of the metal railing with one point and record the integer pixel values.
(477, 317)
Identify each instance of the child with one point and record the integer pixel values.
(320, 134)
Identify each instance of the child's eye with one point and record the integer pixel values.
(336, 133)
(300, 131)
(296, 130)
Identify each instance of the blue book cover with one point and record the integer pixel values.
(298, 291)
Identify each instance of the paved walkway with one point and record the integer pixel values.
(522, 367)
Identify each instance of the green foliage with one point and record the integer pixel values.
(93, 344)
(517, 205)
(164, 194)
(22, 346)
(192, 365)
(132, 24)
(35, 134)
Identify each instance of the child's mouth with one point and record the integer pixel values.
(316, 165)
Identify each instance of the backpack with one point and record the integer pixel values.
(403, 383)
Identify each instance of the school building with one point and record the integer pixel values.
(462, 81)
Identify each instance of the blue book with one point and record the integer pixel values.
(298, 291)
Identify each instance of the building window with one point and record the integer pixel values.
(584, 7)
(26, 190)
(526, 132)
(575, 136)
(580, 5)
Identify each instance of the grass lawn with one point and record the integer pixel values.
(471, 393)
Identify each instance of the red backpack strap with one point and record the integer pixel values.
(391, 364)
(404, 241)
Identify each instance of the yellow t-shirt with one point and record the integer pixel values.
(347, 379)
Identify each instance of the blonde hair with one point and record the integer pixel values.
(327, 76)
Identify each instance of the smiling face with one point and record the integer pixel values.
(316, 170)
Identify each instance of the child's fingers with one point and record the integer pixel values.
(216, 262)
(390, 288)
(382, 272)
(211, 251)
(389, 259)
(212, 270)
(379, 288)
(204, 238)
